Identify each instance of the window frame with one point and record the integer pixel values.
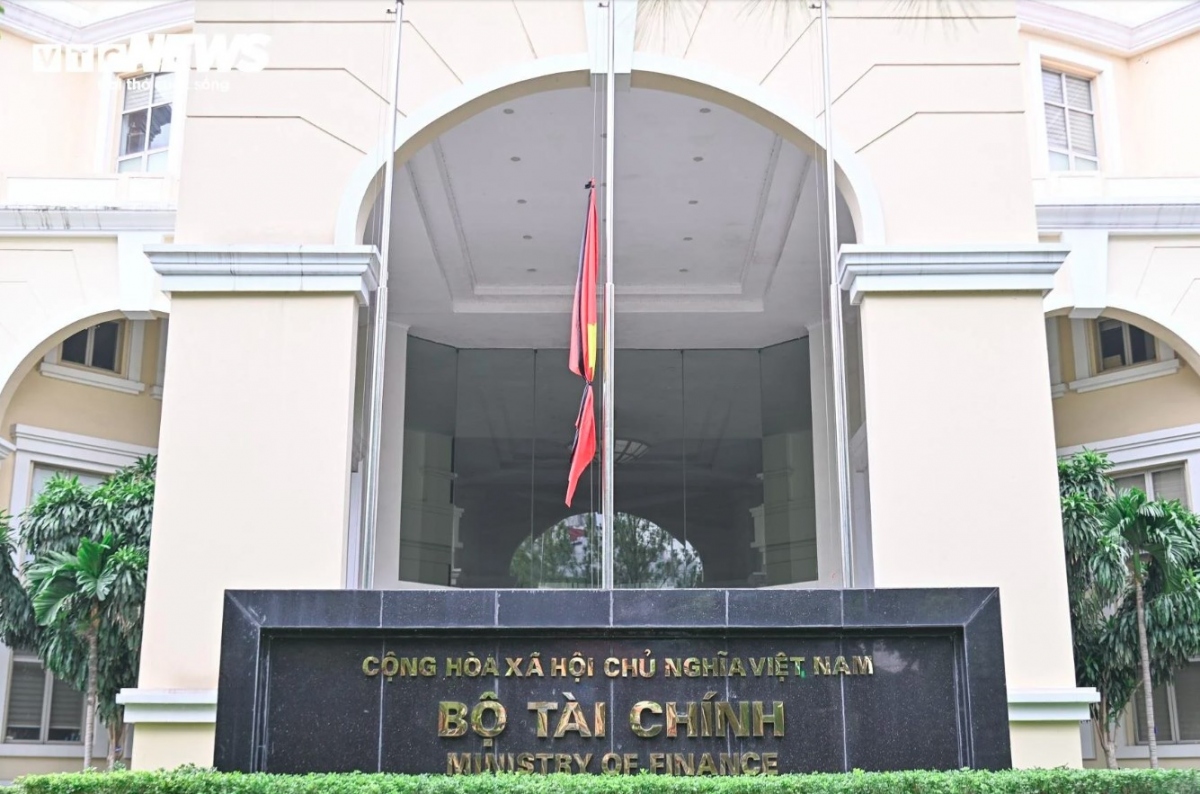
(16, 657)
(144, 155)
(1058, 56)
(1147, 474)
(1172, 708)
(1070, 152)
(1127, 346)
(89, 352)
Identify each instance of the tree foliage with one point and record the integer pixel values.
(1118, 544)
(69, 524)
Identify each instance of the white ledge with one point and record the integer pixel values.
(6, 448)
(47, 23)
(1119, 377)
(169, 705)
(88, 377)
(1069, 704)
(998, 268)
(85, 221)
(267, 268)
(1123, 216)
(1114, 37)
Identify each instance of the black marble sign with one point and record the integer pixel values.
(676, 682)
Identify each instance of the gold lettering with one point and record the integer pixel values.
(600, 719)
(671, 668)
(821, 665)
(453, 667)
(862, 665)
(542, 707)
(451, 722)
(543, 759)
(635, 718)
(370, 665)
(757, 665)
(610, 764)
(514, 667)
(770, 763)
(630, 763)
(840, 667)
(706, 767)
(656, 763)
(759, 719)
(428, 666)
(739, 722)
(612, 667)
(582, 761)
(572, 719)
(562, 763)
(730, 765)
(686, 762)
(747, 760)
(458, 763)
(525, 762)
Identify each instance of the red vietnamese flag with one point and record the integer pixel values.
(583, 345)
(583, 312)
(584, 448)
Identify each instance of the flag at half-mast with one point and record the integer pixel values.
(583, 345)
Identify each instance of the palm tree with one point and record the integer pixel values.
(75, 589)
(1154, 539)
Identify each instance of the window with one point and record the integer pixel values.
(95, 347)
(1122, 345)
(146, 123)
(41, 708)
(1167, 484)
(1070, 122)
(1176, 708)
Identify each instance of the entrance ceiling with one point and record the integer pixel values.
(717, 225)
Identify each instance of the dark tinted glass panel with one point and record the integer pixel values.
(1162, 715)
(104, 346)
(1141, 345)
(713, 469)
(160, 127)
(1112, 344)
(75, 348)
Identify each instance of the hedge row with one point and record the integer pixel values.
(1037, 781)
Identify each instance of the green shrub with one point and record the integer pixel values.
(1036, 781)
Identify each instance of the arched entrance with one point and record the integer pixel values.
(722, 407)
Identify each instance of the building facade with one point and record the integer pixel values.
(1018, 212)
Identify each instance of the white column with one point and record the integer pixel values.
(391, 459)
(829, 542)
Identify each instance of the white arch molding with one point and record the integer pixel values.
(649, 70)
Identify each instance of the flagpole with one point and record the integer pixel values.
(370, 513)
(606, 454)
(836, 330)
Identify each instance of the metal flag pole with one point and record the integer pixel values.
(836, 329)
(606, 454)
(370, 511)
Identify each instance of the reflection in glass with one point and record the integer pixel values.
(714, 476)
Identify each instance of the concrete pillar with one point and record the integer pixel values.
(964, 487)
(391, 459)
(253, 475)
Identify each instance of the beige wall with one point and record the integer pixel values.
(249, 495)
(50, 118)
(959, 423)
(909, 94)
(1129, 409)
(1160, 115)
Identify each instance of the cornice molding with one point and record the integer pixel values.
(169, 705)
(1106, 35)
(6, 448)
(45, 441)
(1069, 704)
(45, 27)
(267, 268)
(1122, 216)
(77, 221)
(997, 268)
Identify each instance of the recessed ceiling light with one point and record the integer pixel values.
(521, 201)
(515, 159)
(702, 110)
(687, 239)
(508, 111)
(693, 201)
(531, 270)
(697, 158)
(527, 237)
(683, 270)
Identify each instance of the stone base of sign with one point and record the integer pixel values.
(677, 682)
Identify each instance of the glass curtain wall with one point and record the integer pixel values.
(713, 465)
